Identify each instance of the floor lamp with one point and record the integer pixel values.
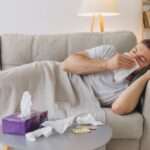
(98, 9)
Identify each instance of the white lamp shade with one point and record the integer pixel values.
(99, 7)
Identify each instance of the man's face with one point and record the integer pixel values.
(142, 55)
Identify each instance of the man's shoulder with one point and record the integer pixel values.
(105, 47)
(108, 50)
(102, 51)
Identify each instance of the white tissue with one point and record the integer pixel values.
(26, 104)
(60, 126)
(88, 119)
(121, 74)
(45, 131)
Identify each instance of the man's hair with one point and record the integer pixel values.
(146, 42)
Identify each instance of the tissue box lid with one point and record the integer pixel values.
(16, 118)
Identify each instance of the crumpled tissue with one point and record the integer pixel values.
(46, 132)
(88, 119)
(60, 126)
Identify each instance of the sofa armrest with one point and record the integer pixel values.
(145, 141)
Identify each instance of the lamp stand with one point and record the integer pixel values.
(101, 23)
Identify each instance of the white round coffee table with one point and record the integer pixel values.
(97, 139)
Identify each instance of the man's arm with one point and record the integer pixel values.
(81, 63)
(129, 99)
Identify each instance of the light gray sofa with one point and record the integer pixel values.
(130, 132)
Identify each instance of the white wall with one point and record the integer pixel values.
(59, 16)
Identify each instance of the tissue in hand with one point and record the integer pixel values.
(26, 120)
(122, 74)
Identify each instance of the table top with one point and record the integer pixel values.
(67, 141)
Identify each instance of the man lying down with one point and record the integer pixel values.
(78, 84)
(98, 65)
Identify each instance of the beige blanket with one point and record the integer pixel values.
(52, 89)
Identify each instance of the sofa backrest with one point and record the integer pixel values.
(19, 49)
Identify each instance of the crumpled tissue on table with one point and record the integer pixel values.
(60, 126)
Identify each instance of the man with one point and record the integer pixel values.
(97, 67)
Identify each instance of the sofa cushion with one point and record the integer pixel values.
(18, 49)
(49, 47)
(123, 41)
(126, 126)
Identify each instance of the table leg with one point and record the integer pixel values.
(6, 147)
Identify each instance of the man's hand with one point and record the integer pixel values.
(142, 61)
(120, 61)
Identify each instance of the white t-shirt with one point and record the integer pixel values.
(103, 84)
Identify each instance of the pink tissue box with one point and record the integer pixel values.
(13, 124)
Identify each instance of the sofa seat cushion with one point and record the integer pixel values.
(126, 126)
